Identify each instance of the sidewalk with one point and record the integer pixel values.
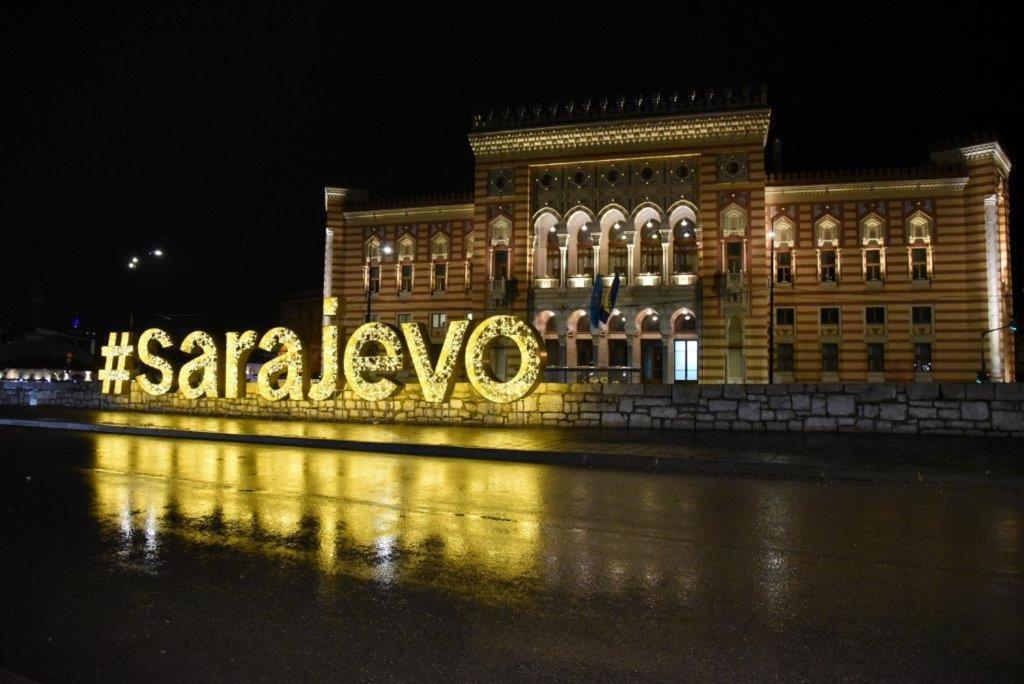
(892, 458)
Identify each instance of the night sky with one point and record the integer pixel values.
(210, 132)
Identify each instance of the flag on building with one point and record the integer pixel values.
(602, 301)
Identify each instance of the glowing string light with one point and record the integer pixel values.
(167, 376)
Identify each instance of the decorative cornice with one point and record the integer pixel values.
(991, 151)
(341, 194)
(640, 133)
(415, 214)
(880, 189)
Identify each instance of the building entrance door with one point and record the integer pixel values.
(651, 360)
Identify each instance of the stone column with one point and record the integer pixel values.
(670, 359)
(560, 361)
(666, 254)
(630, 267)
(565, 262)
(597, 261)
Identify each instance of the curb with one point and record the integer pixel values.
(627, 462)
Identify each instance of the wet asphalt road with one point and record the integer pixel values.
(127, 557)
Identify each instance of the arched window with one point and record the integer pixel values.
(785, 232)
(551, 327)
(919, 228)
(554, 255)
(826, 232)
(585, 250)
(650, 248)
(734, 221)
(872, 230)
(406, 248)
(616, 324)
(617, 251)
(650, 323)
(684, 247)
(439, 246)
(373, 250)
(685, 323)
(501, 230)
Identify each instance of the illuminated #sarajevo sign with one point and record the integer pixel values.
(374, 354)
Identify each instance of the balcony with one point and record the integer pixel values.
(498, 293)
(732, 291)
(683, 279)
(579, 281)
(545, 282)
(874, 330)
(648, 280)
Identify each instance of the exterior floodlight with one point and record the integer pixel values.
(158, 252)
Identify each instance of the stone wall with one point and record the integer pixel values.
(948, 408)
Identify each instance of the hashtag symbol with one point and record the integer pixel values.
(116, 374)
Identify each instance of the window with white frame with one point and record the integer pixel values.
(438, 319)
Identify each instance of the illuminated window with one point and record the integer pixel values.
(469, 246)
(440, 277)
(650, 251)
(439, 247)
(734, 257)
(438, 319)
(784, 230)
(554, 256)
(406, 248)
(919, 263)
(827, 258)
(585, 250)
(784, 267)
(373, 250)
(873, 264)
(501, 231)
(827, 231)
(872, 230)
(685, 360)
(684, 247)
(734, 221)
(403, 318)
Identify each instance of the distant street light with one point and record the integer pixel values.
(134, 263)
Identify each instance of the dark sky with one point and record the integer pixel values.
(210, 132)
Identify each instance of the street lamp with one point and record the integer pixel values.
(771, 309)
(983, 375)
(134, 264)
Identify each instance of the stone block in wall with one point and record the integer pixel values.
(923, 412)
(614, 420)
(664, 412)
(626, 405)
(870, 394)
(922, 391)
(819, 407)
(1009, 391)
(952, 390)
(974, 410)
(840, 405)
(801, 402)
(782, 402)
(639, 421)
(711, 391)
(616, 389)
(686, 394)
(734, 391)
(749, 410)
(722, 405)
(893, 412)
(1008, 420)
(819, 424)
(549, 403)
(979, 391)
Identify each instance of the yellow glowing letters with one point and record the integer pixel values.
(158, 363)
(531, 363)
(436, 383)
(364, 373)
(237, 348)
(329, 384)
(204, 365)
(291, 363)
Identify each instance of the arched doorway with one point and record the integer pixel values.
(685, 346)
(652, 350)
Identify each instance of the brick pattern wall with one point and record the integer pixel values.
(948, 408)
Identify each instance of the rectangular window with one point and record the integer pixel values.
(923, 357)
(555, 265)
(375, 279)
(585, 261)
(828, 266)
(440, 277)
(876, 357)
(403, 318)
(830, 315)
(829, 357)
(686, 360)
(921, 315)
(734, 257)
(437, 320)
(785, 316)
(784, 267)
(875, 315)
(617, 263)
(919, 263)
(873, 264)
(406, 285)
(784, 357)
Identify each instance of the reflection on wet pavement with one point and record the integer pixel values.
(382, 565)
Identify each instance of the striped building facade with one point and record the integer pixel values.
(726, 274)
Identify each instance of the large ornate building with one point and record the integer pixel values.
(727, 274)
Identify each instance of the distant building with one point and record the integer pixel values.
(41, 354)
(728, 274)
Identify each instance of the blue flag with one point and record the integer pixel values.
(595, 303)
(602, 301)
